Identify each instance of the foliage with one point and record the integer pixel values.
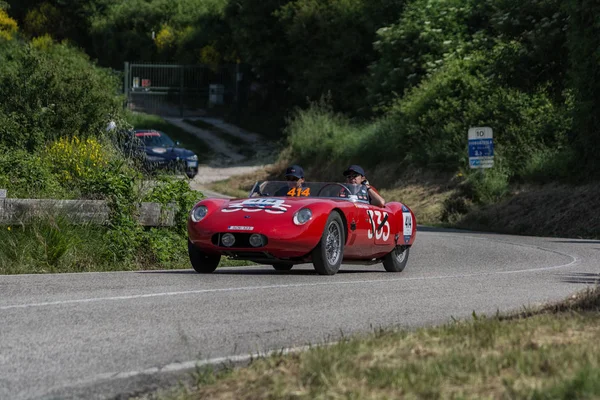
(427, 33)
(53, 93)
(39, 21)
(584, 48)
(318, 134)
(442, 109)
(43, 245)
(177, 192)
(76, 160)
(8, 26)
(26, 175)
(124, 31)
(165, 38)
(330, 46)
(163, 246)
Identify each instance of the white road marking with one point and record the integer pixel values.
(574, 261)
(174, 367)
(285, 286)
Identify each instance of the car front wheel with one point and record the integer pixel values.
(327, 256)
(201, 262)
(396, 260)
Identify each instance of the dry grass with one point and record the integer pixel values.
(547, 355)
(551, 210)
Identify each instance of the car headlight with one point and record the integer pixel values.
(198, 213)
(193, 158)
(302, 216)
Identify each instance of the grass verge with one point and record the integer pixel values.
(547, 353)
(51, 245)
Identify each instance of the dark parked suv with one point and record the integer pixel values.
(160, 151)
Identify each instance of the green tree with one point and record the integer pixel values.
(330, 47)
(584, 46)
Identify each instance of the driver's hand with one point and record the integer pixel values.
(365, 182)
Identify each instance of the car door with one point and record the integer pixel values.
(359, 242)
(380, 226)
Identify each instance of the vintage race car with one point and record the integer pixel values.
(281, 225)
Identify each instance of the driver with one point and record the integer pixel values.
(356, 175)
(294, 175)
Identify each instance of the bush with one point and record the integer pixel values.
(177, 191)
(549, 165)
(27, 175)
(163, 246)
(50, 93)
(487, 186)
(75, 160)
(318, 135)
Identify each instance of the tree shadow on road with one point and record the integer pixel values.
(581, 277)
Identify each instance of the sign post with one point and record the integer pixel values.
(481, 147)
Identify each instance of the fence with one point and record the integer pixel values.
(180, 90)
(17, 211)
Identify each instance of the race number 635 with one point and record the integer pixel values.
(376, 218)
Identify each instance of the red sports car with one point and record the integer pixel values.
(281, 225)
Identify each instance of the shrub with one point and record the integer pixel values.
(177, 191)
(75, 160)
(318, 135)
(27, 175)
(490, 185)
(50, 93)
(163, 246)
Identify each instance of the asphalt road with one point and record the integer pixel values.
(102, 335)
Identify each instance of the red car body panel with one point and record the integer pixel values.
(286, 241)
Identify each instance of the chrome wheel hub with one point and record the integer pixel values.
(333, 243)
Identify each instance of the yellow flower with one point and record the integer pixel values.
(9, 228)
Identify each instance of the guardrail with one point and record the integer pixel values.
(17, 211)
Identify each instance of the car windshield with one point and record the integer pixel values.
(154, 139)
(328, 190)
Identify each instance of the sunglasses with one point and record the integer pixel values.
(352, 176)
(291, 178)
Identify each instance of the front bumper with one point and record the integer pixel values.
(291, 243)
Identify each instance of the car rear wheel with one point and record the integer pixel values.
(327, 256)
(201, 262)
(396, 260)
(283, 266)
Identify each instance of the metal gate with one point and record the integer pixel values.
(179, 90)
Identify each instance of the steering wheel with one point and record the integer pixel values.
(335, 184)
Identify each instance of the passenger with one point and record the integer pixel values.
(356, 175)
